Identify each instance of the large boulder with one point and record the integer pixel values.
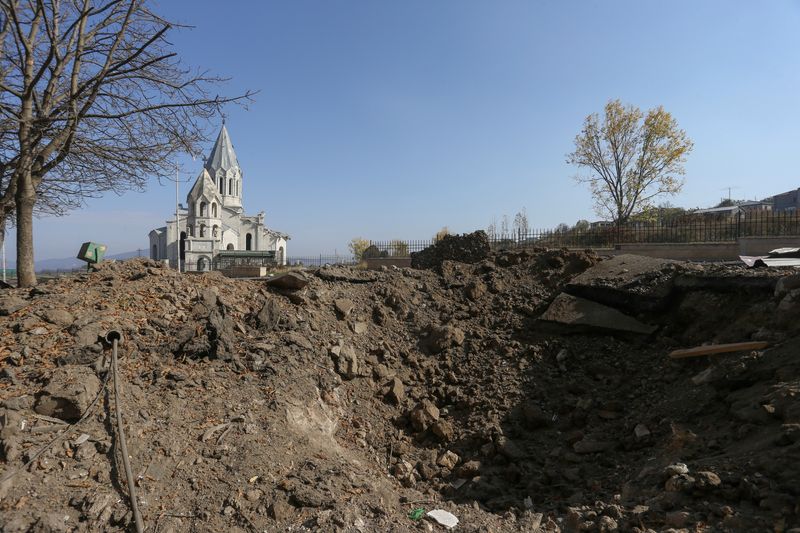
(467, 248)
(581, 314)
(633, 283)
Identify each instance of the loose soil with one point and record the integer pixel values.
(348, 403)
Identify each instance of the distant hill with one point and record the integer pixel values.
(71, 263)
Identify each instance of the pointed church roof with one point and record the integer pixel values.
(222, 155)
(203, 185)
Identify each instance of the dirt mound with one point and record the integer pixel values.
(466, 248)
(349, 403)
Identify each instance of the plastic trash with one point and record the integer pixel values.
(416, 514)
(444, 518)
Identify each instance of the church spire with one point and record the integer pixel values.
(223, 167)
(222, 155)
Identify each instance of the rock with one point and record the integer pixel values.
(534, 416)
(281, 510)
(469, 469)
(676, 469)
(424, 415)
(633, 283)
(677, 519)
(253, 495)
(448, 460)
(679, 483)
(510, 449)
(641, 431)
(592, 446)
(468, 248)
(68, 393)
(359, 327)
(440, 338)
(707, 480)
(579, 313)
(397, 391)
(346, 361)
(343, 307)
(606, 523)
(299, 340)
(787, 284)
(87, 335)
(11, 304)
(59, 317)
(292, 281)
(268, 318)
(444, 430)
(475, 290)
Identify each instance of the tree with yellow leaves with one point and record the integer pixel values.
(632, 158)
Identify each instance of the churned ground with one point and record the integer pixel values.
(344, 399)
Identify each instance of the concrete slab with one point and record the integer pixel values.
(568, 310)
(634, 283)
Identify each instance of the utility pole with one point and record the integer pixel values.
(4, 259)
(177, 218)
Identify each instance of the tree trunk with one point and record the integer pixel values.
(25, 199)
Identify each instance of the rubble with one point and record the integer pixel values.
(351, 402)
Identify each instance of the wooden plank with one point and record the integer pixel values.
(717, 348)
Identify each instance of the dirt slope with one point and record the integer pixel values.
(347, 404)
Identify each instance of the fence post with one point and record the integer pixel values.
(738, 224)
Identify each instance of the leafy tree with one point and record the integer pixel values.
(727, 202)
(399, 248)
(582, 225)
(92, 98)
(441, 234)
(632, 158)
(357, 246)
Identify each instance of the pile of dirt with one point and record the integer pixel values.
(467, 248)
(344, 400)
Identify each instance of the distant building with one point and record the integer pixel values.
(213, 231)
(786, 202)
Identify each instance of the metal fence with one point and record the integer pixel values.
(321, 259)
(685, 229)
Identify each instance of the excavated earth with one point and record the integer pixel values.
(528, 391)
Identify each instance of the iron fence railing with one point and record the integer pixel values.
(320, 260)
(684, 229)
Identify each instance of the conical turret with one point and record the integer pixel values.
(223, 167)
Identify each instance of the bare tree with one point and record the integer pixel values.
(521, 222)
(492, 229)
(92, 98)
(504, 226)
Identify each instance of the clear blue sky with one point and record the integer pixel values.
(392, 119)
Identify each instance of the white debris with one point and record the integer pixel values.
(444, 518)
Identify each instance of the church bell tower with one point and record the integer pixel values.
(223, 167)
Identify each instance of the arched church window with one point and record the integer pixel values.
(248, 242)
(202, 210)
(230, 185)
(191, 231)
(237, 188)
(214, 209)
(215, 230)
(222, 185)
(202, 230)
(230, 246)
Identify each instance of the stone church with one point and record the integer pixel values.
(212, 232)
